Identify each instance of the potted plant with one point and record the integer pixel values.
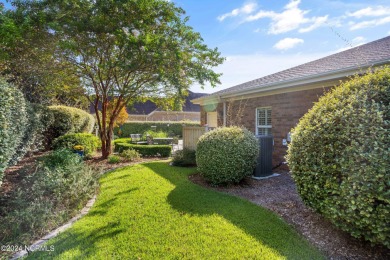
(79, 149)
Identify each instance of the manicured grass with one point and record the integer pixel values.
(152, 211)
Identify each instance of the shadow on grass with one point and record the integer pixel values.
(264, 226)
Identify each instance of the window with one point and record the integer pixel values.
(212, 120)
(263, 121)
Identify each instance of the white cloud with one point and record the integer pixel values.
(371, 11)
(369, 23)
(291, 18)
(288, 43)
(318, 21)
(245, 9)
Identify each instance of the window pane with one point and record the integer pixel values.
(268, 117)
(261, 117)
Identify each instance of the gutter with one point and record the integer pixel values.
(331, 75)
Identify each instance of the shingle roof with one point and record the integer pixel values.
(147, 107)
(361, 56)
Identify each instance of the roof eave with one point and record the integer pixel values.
(322, 77)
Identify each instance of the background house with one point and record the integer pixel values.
(274, 104)
(149, 111)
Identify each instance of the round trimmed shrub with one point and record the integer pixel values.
(13, 121)
(68, 120)
(226, 155)
(90, 142)
(339, 157)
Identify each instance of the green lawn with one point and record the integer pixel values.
(152, 211)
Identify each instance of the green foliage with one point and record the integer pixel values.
(130, 155)
(48, 198)
(28, 59)
(90, 142)
(34, 138)
(184, 158)
(13, 122)
(174, 128)
(68, 120)
(146, 150)
(114, 159)
(122, 140)
(61, 158)
(155, 134)
(226, 155)
(339, 156)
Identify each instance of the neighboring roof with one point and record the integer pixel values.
(147, 107)
(363, 56)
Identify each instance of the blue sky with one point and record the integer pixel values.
(259, 37)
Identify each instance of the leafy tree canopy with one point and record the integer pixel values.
(126, 49)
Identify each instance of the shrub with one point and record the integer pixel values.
(90, 142)
(339, 156)
(130, 155)
(68, 120)
(62, 158)
(122, 140)
(47, 198)
(146, 150)
(226, 155)
(184, 158)
(171, 128)
(155, 134)
(113, 159)
(34, 139)
(13, 122)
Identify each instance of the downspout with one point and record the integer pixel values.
(224, 113)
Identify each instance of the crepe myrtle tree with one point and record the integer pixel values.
(127, 50)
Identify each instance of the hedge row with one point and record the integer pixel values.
(172, 128)
(146, 150)
(13, 120)
(26, 127)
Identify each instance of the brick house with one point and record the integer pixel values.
(274, 104)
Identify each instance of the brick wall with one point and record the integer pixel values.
(287, 109)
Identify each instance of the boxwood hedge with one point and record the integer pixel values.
(339, 156)
(171, 128)
(13, 121)
(226, 155)
(145, 150)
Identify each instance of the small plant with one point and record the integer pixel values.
(62, 158)
(114, 159)
(130, 155)
(78, 148)
(184, 158)
(89, 142)
(154, 134)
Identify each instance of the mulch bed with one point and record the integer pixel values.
(279, 195)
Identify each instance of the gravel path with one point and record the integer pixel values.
(280, 195)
